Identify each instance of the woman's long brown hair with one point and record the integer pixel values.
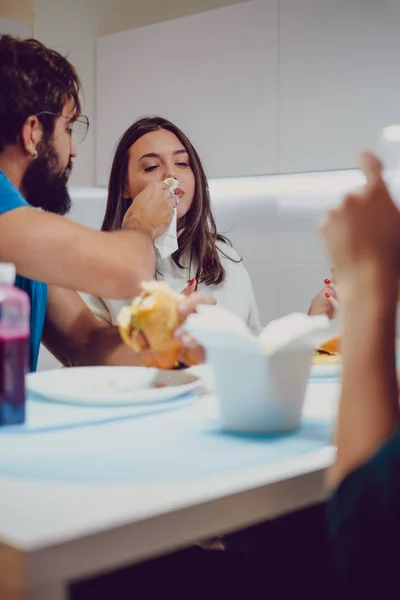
(199, 236)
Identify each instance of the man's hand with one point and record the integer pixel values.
(151, 210)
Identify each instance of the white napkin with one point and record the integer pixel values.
(167, 243)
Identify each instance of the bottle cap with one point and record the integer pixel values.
(7, 273)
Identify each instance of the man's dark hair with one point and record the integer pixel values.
(33, 79)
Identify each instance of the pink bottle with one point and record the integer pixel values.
(14, 343)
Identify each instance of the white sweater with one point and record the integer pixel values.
(234, 294)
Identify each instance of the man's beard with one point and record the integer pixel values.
(45, 184)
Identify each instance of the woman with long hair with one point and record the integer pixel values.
(152, 150)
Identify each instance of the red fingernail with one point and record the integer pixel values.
(191, 281)
(327, 295)
(327, 281)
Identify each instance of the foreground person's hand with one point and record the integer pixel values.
(362, 234)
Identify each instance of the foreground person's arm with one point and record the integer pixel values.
(362, 237)
(369, 410)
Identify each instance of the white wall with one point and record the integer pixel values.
(72, 27)
(261, 90)
(339, 79)
(214, 74)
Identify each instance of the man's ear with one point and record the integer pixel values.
(31, 135)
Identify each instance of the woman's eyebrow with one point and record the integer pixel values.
(149, 155)
(155, 155)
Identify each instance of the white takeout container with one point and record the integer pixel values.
(260, 382)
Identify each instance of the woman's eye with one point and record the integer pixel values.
(183, 164)
(152, 168)
(69, 130)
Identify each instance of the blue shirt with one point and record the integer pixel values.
(10, 199)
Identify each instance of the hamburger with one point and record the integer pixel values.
(328, 353)
(150, 321)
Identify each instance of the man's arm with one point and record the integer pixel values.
(77, 338)
(58, 251)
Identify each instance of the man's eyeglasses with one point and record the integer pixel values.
(79, 126)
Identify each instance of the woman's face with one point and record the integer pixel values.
(156, 156)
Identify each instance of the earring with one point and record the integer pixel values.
(34, 155)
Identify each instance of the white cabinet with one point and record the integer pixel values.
(214, 74)
(262, 87)
(339, 79)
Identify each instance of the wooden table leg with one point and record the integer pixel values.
(14, 579)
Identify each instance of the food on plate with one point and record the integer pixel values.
(328, 353)
(331, 346)
(326, 359)
(150, 321)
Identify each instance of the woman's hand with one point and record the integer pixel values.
(192, 353)
(191, 287)
(326, 302)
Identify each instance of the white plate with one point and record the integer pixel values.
(110, 386)
(326, 371)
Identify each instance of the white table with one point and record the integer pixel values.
(51, 534)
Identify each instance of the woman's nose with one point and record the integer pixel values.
(170, 171)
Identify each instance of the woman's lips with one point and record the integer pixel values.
(180, 193)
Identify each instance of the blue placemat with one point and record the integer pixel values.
(161, 447)
(42, 415)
